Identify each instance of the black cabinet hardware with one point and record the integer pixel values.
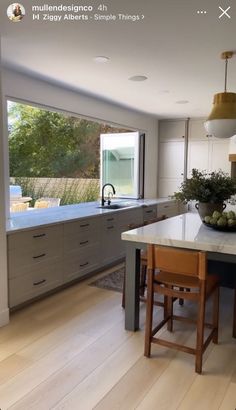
(39, 256)
(83, 242)
(39, 235)
(40, 282)
(83, 264)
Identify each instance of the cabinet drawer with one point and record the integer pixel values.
(80, 240)
(110, 222)
(34, 238)
(81, 234)
(149, 213)
(32, 284)
(167, 209)
(21, 260)
(131, 217)
(82, 226)
(78, 263)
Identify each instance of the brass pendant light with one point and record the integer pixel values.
(221, 122)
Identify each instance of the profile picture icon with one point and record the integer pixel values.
(15, 12)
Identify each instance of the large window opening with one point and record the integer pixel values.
(54, 158)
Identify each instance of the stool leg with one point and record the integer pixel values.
(216, 314)
(234, 315)
(200, 329)
(149, 314)
(170, 312)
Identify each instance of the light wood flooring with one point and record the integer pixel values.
(70, 351)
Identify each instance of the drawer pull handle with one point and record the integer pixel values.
(83, 242)
(39, 235)
(166, 206)
(84, 225)
(110, 219)
(39, 256)
(149, 212)
(40, 282)
(110, 227)
(83, 264)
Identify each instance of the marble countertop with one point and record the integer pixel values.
(41, 217)
(184, 231)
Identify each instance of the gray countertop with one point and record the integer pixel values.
(41, 217)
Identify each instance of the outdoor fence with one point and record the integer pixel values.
(70, 190)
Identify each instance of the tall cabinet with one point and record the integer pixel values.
(180, 153)
(206, 152)
(171, 156)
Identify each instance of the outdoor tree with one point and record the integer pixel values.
(51, 144)
(47, 144)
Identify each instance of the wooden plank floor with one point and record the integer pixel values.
(70, 351)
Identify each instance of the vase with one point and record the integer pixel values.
(207, 208)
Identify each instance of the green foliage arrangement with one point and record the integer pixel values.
(203, 187)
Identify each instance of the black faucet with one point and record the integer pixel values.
(113, 189)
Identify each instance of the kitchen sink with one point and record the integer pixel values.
(114, 206)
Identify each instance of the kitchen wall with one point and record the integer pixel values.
(19, 86)
(4, 312)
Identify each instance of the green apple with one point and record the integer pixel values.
(230, 215)
(222, 221)
(231, 222)
(216, 215)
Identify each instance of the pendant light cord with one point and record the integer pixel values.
(226, 73)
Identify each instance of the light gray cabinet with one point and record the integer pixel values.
(171, 156)
(113, 248)
(206, 152)
(168, 209)
(34, 262)
(171, 208)
(127, 219)
(149, 213)
(81, 247)
(43, 259)
(110, 237)
(179, 155)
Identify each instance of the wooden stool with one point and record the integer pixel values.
(181, 269)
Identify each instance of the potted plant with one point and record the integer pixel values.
(210, 190)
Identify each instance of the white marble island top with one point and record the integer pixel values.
(184, 231)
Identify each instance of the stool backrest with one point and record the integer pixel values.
(19, 207)
(177, 261)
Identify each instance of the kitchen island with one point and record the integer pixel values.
(183, 231)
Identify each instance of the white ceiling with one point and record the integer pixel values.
(174, 46)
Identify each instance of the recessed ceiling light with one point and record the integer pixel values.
(182, 102)
(164, 92)
(101, 59)
(138, 78)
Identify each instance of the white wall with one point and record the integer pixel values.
(4, 311)
(19, 86)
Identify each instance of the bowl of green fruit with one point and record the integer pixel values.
(221, 221)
